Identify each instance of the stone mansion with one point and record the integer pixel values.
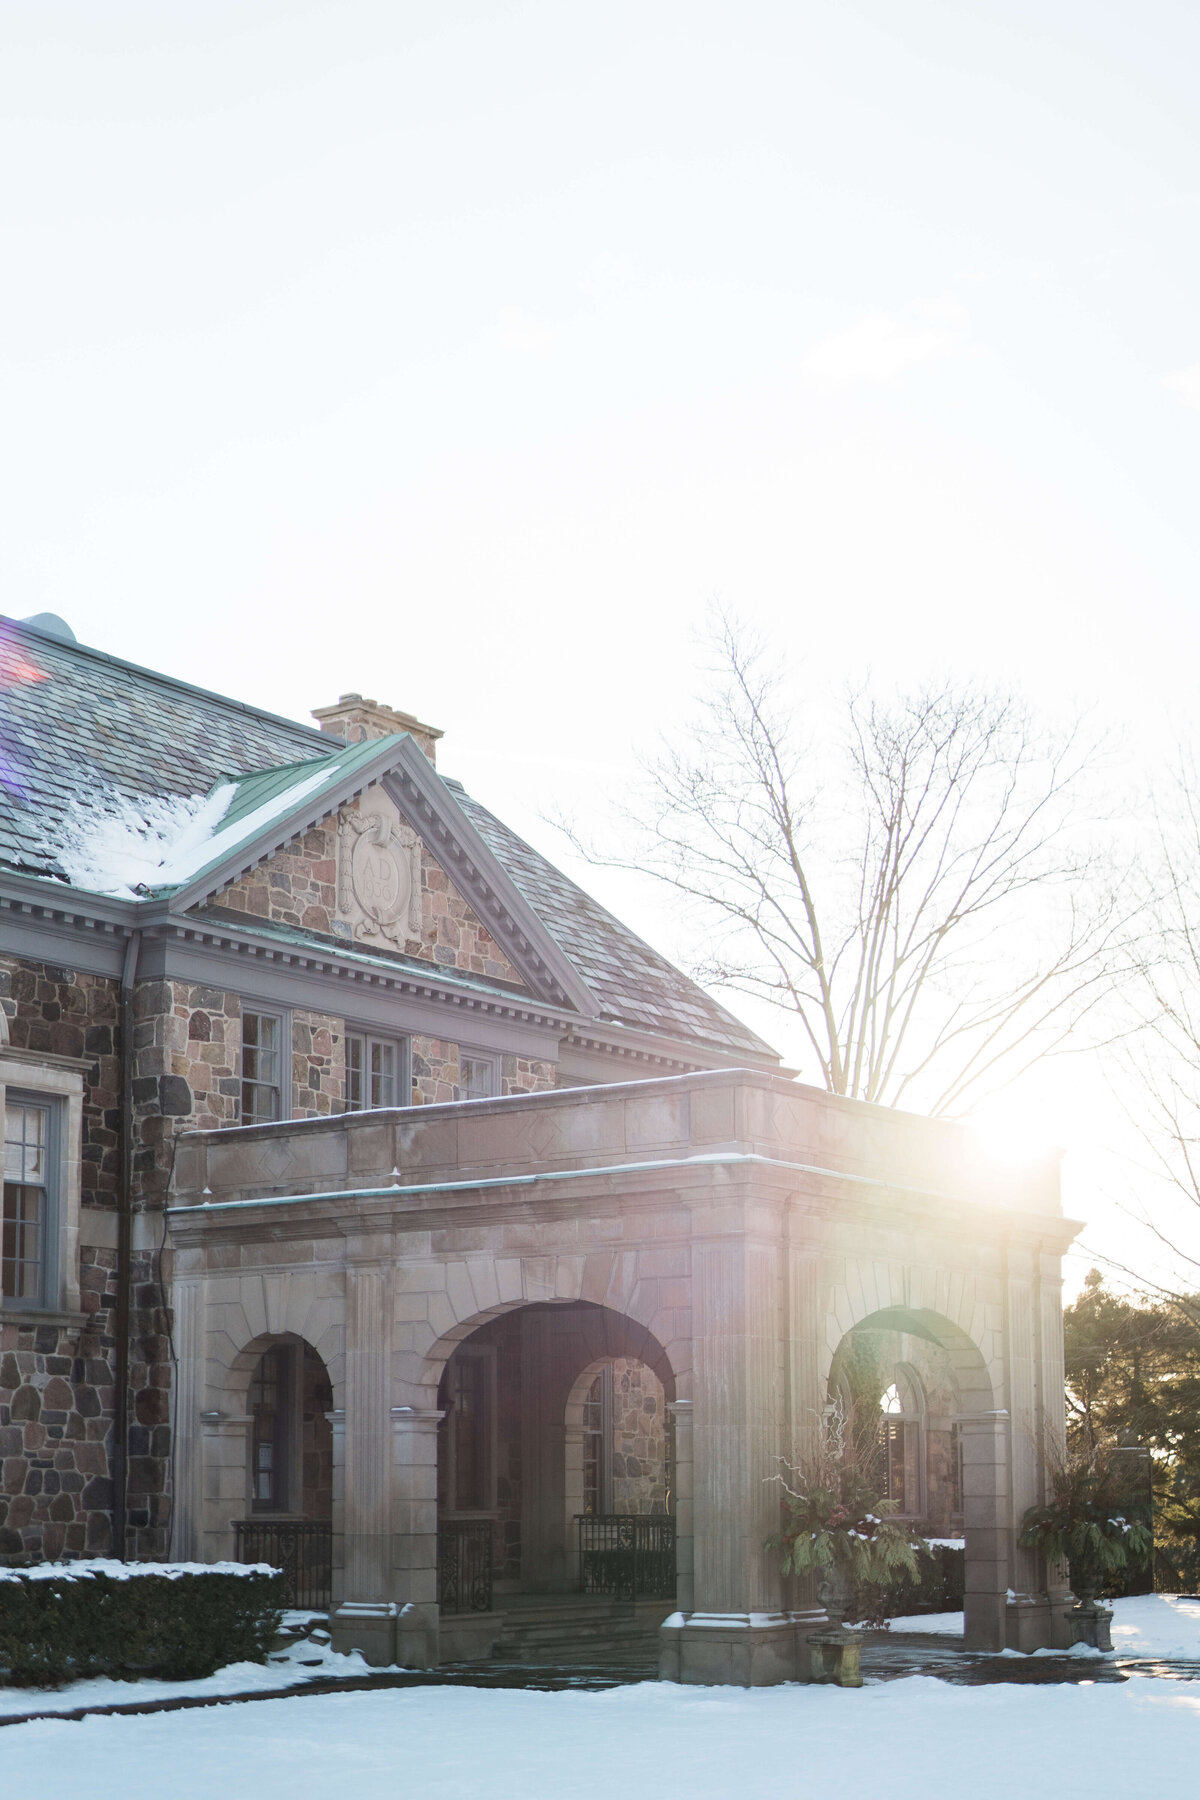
(376, 1201)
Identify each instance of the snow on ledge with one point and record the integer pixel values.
(119, 1571)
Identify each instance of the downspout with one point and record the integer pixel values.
(124, 1256)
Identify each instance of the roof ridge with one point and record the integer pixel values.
(171, 681)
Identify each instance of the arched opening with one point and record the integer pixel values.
(289, 1467)
(919, 1416)
(554, 1418)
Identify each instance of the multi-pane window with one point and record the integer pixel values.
(476, 1077)
(373, 1068)
(270, 1395)
(597, 1444)
(262, 1067)
(26, 1206)
(469, 1426)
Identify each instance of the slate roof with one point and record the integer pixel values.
(635, 985)
(77, 723)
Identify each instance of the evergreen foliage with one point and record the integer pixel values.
(61, 1627)
(1133, 1378)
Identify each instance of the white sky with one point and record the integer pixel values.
(459, 354)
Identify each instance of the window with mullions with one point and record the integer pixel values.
(598, 1443)
(270, 1399)
(374, 1067)
(262, 1067)
(476, 1077)
(27, 1200)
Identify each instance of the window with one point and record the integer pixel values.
(476, 1077)
(26, 1222)
(598, 1443)
(262, 1067)
(270, 1402)
(374, 1067)
(468, 1397)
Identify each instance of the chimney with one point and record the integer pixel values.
(355, 720)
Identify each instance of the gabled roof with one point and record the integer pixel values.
(81, 727)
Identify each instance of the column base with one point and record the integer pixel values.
(368, 1626)
(736, 1649)
(1029, 1623)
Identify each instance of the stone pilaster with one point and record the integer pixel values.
(986, 1510)
(367, 1499)
(414, 1534)
(188, 1526)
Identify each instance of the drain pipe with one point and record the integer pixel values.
(124, 1257)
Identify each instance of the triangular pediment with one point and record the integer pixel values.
(370, 846)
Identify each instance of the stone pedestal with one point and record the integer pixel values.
(1091, 1624)
(834, 1657)
(368, 1626)
(1027, 1623)
(731, 1649)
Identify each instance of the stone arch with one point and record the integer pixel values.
(309, 1402)
(984, 1452)
(528, 1373)
(283, 1304)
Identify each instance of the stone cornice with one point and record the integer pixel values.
(689, 1180)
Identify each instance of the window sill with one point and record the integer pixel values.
(39, 1315)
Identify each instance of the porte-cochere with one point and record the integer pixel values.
(568, 1338)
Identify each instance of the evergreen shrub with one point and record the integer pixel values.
(63, 1622)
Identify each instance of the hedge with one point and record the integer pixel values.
(939, 1589)
(63, 1621)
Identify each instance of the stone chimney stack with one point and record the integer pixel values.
(355, 720)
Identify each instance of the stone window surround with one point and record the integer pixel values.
(59, 1082)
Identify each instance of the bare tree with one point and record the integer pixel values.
(924, 895)
(1159, 1074)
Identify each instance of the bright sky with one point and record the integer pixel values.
(459, 354)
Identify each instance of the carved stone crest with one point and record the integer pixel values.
(379, 875)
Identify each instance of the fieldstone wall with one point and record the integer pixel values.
(56, 1417)
(298, 887)
(69, 1014)
(318, 1065)
(526, 1075)
(639, 1452)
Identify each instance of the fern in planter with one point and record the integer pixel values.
(835, 1525)
(1082, 1524)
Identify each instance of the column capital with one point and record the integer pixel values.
(417, 1418)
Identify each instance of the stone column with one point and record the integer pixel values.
(1053, 1424)
(806, 1392)
(225, 1457)
(737, 1630)
(366, 1618)
(337, 1423)
(414, 1534)
(1028, 1625)
(986, 1509)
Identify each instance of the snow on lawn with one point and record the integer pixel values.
(302, 1661)
(1143, 1625)
(918, 1739)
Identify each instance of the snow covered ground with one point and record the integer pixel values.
(1144, 1625)
(915, 1739)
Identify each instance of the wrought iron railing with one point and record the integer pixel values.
(630, 1556)
(302, 1548)
(464, 1565)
